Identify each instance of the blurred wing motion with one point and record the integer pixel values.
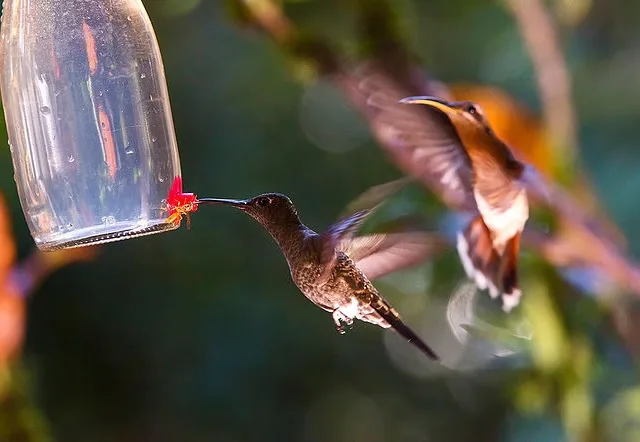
(420, 139)
(481, 340)
(179, 204)
(341, 233)
(380, 254)
(460, 311)
(375, 196)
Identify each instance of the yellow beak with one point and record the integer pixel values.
(430, 101)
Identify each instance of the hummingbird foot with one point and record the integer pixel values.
(338, 318)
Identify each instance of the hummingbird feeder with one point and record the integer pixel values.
(88, 118)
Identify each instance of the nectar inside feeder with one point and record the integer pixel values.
(88, 118)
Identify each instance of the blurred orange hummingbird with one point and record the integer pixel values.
(455, 151)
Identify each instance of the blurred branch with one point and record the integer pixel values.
(583, 248)
(21, 419)
(270, 17)
(19, 280)
(554, 83)
(582, 240)
(541, 38)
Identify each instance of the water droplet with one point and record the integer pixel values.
(71, 158)
(143, 75)
(128, 151)
(128, 18)
(154, 139)
(69, 226)
(45, 110)
(161, 178)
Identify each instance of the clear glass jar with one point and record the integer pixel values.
(88, 117)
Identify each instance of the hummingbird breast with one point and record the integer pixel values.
(507, 222)
(346, 286)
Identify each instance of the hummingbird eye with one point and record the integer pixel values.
(475, 111)
(263, 201)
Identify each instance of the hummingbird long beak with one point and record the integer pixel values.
(239, 204)
(438, 103)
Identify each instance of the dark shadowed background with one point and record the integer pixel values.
(200, 335)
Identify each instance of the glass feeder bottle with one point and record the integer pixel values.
(88, 118)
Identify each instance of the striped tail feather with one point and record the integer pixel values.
(491, 270)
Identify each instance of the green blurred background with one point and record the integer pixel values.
(199, 335)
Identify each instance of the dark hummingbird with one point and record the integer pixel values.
(333, 269)
(452, 147)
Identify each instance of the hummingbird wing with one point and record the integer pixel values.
(421, 140)
(373, 197)
(380, 254)
(498, 186)
(345, 228)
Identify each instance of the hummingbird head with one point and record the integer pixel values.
(269, 209)
(466, 116)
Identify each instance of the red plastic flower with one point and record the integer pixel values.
(179, 204)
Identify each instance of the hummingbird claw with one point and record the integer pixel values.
(339, 318)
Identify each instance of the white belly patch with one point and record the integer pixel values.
(504, 224)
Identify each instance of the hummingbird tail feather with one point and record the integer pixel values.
(490, 270)
(510, 291)
(392, 318)
(480, 260)
(376, 319)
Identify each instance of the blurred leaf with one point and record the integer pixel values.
(532, 396)
(20, 419)
(572, 12)
(621, 416)
(577, 409)
(550, 347)
(577, 404)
